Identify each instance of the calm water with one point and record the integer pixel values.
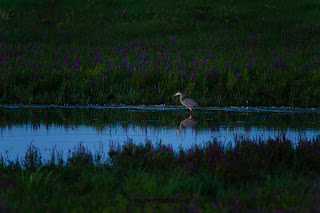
(96, 127)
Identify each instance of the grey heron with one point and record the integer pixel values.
(189, 103)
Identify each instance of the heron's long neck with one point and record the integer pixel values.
(181, 98)
(180, 127)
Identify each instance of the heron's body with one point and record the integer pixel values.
(189, 103)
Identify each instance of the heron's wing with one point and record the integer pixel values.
(189, 122)
(190, 102)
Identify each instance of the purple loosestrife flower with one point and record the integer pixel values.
(5, 34)
(315, 62)
(164, 57)
(214, 73)
(248, 64)
(124, 62)
(35, 75)
(188, 164)
(191, 76)
(173, 40)
(181, 72)
(95, 60)
(130, 44)
(103, 76)
(177, 61)
(48, 68)
(209, 159)
(213, 205)
(305, 68)
(192, 208)
(76, 64)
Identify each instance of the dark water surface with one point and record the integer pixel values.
(96, 127)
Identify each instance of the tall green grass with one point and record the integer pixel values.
(140, 52)
(252, 176)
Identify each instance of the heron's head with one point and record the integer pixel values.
(178, 93)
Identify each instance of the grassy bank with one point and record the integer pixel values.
(251, 176)
(141, 52)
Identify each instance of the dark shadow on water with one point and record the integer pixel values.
(188, 122)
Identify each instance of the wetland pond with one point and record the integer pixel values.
(97, 127)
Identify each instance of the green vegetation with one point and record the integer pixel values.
(222, 52)
(253, 175)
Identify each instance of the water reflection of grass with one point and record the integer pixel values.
(253, 175)
(101, 118)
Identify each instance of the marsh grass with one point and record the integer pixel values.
(253, 175)
(139, 52)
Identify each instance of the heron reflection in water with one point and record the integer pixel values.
(189, 122)
(189, 103)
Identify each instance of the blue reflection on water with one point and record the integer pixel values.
(14, 139)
